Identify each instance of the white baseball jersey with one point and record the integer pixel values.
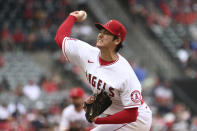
(118, 78)
(69, 114)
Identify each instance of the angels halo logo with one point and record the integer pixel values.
(108, 23)
(136, 96)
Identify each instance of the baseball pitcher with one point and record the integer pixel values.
(117, 91)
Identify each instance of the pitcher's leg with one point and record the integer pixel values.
(108, 127)
(143, 123)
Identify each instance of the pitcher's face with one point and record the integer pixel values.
(105, 40)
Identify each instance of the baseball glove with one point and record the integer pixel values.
(101, 103)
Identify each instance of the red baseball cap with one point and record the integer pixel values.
(77, 92)
(115, 27)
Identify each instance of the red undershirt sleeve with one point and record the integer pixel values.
(124, 116)
(64, 30)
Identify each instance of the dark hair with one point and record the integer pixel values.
(119, 46)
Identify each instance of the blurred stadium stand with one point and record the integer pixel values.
(160, 46)
(20, 68)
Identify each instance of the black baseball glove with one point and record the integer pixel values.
(101, 103)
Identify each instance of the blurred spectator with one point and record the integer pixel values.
(184, 52)
(164, 8)
(19, 90)
(4, 118)
(55, 109)
(158, 123)
(194, 124)
(183, 56)
(56, 78)
(182, 117)
(39, 121)
(164, 97)
(6, 39)
(192, 62)
(49, 86)
(32, 91)
(193, 45)
(44, 32)
(169, 119)
(192, 65)
(28, 13)
(180, 126)
(2, 60)
(4, 113)
(193, 31)
(40, 14)
(16, 108)
(19, 38)
(65, 102)
(30, 40)
(4, 85)
(73, 116)
(139, 71)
